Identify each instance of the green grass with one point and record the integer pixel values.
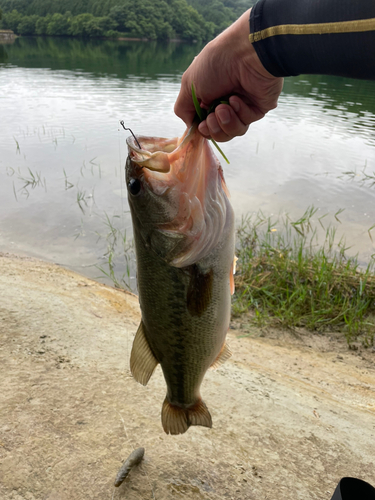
(364, 177)
(118, 255)
(30, 180)
(82, 199)
(286, 278)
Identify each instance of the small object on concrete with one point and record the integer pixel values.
(133, 459)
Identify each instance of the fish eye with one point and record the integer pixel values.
(134, 186)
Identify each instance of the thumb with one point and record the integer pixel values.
(184, 106)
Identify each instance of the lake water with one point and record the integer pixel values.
(62, 151)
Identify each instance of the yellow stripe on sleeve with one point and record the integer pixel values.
(314, 29)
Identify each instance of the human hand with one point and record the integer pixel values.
(228, 65)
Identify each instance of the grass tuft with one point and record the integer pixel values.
(364, 178)
(285, 278)
(119, 255)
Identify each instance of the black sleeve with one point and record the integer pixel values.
(327, 37)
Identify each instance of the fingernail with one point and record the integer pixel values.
(235, 106)
(224, 116)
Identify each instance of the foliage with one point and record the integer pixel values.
(142, 19)
(59, 25)
(222, 13)
(134, 19)
(27, 25)
(11, 20)
(41, 26)
(160, 19)
(285, 278)
(85, 25)
(151, 19)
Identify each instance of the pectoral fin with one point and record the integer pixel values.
(224, 354)
(142, 360)
(232, 273)
(200, 290)
(231, 281)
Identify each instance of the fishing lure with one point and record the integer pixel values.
(133, 459)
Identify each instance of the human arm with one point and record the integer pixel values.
(326, 37)
(288, 37)
(229, 65)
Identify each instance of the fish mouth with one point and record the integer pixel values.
(185, 171)
(158, 154)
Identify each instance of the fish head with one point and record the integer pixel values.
(177, 195)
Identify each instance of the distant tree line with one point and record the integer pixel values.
(151, 19)
(221, 13)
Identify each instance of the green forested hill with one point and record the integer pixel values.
(154, 19)
(221, 12)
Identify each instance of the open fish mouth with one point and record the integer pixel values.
(188, 172)
(154, 153)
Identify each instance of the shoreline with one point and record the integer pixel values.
(285, 407)
(6, 37)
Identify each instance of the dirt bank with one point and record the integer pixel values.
(292, 414)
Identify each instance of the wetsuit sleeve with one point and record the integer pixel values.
(327, 37)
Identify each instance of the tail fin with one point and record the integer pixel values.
(177, 420)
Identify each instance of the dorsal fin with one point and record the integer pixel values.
(142, 359)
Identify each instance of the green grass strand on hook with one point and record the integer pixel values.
(202, 115)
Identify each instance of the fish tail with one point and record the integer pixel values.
(177, 420)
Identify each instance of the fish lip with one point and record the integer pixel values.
(132, 144)
(157, 160)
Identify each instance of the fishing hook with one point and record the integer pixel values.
(130, 130)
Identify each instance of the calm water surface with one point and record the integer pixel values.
(62, 151)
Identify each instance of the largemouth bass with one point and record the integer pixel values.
(183, 228)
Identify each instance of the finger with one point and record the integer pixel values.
(215, 129)
(203, 129)
(223, 125)
(184, 106)
(184, 111)
(212, 128)
(230, 121)
(247, 113)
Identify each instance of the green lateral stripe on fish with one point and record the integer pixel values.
(183, 227)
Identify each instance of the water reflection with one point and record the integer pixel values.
(62, 193)
(3, 54)
(119, 59)
(349, 104)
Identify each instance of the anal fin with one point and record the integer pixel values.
(177, 420)
(142, 360)
(223, 356)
